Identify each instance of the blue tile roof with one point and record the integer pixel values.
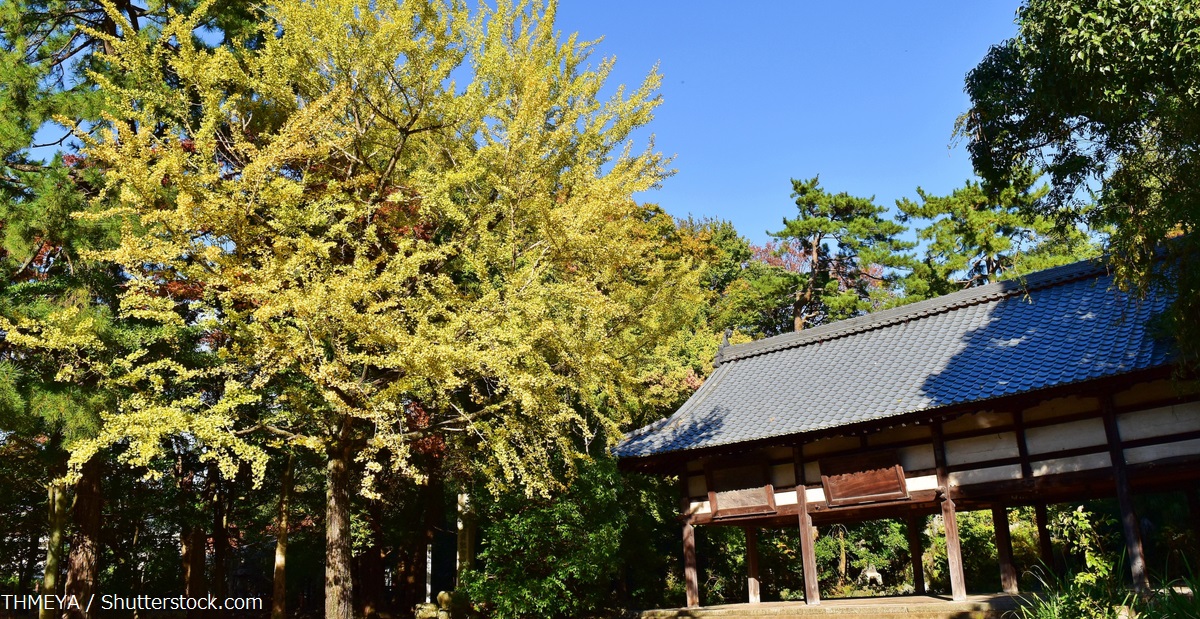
(1059, 326)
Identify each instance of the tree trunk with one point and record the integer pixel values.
(54, 544)
(842, 557)
(220, 532)
(279, 591)
(339, 598)
(83, 560)
(467, 532)
(192, 542)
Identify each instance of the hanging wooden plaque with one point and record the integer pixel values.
(741, 490)
(866, 478)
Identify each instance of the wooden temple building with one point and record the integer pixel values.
(1047, 390)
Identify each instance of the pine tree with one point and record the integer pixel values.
(978, 235)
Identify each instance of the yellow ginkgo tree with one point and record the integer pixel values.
(395, 222)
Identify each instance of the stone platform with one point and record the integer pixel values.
(910, 607)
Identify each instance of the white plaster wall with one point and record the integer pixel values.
(783, 475)
(815, 495)
(983, 476)
(1150, 453)
(785, 498)
(1159, 421)
(916, 457)
(699, 507)
(696, 486)
(924, 482)
(981, 448)
(1082, 433)
(812, 472)
(1071, 465)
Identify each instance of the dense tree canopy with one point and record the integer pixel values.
(422, 229)
(1104, 97)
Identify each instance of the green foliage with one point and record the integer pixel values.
(721, 565)
(881, 544)
(759, 302)
(1080, 529)
(1102, 96)
(978, 235)
(1095, 591)
(842, 253)
(553, 557)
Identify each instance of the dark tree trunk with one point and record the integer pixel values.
(192, 541)
(370, 567)
(54, 544)
(220, 532)
(410, 573)
(84, 558)
(279, 590)
(339, 590)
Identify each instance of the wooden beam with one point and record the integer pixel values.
(1045, 544)
(1129, 520)
(808, 551)
(752, 564)
(958, 581)
(1008, 572)
(690, 580)
(916, 550)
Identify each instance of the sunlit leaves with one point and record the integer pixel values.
(394, 205)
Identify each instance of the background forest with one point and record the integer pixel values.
(308, 301)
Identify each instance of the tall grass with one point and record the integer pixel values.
(1072, 598)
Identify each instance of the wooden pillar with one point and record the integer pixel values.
(752, 565)
(1045, 546)
(1129, 520)
(691, 581)
(808, 552)
(958, 582)
(916, 550)
(1008, 572)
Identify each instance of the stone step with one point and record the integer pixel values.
(911, 607)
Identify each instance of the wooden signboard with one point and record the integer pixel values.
(867, 478)
(740, 490)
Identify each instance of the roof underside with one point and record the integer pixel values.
(1057, 327)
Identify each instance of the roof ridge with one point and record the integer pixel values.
(1036, 280)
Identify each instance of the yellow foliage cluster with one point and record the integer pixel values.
(378, 207)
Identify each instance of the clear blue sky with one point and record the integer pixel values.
(864, 94)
